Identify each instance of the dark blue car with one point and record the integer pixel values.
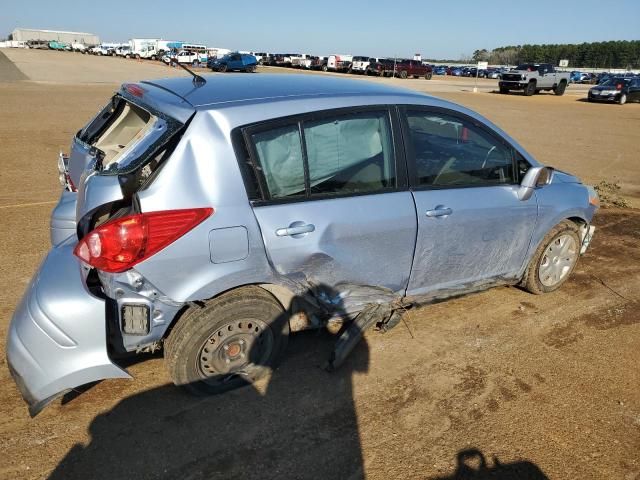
(233, 61)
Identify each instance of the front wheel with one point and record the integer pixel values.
(195, 63)
(530, 89)
(555, 259)
(403, 74)
(223, 68)
(231, 341)
(428, 76)
(250, 69)
(623, 99)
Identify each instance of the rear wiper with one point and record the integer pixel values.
(197, 79)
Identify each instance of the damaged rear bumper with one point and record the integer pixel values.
(57, 339)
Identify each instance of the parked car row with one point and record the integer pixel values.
(356, 64)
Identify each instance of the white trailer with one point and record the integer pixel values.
(144, 47)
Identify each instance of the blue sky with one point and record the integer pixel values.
(443, 29)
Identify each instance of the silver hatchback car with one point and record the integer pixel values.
(214, 217)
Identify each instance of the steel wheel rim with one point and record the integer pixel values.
(558, 260)
(233, 349)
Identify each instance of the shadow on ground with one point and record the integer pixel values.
(300, 423)
(472, 465)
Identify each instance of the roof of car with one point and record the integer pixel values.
(244, 87)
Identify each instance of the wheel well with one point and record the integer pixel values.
(282, 294)
(578, 221)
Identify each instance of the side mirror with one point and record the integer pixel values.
(535, 177)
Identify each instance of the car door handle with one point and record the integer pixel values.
(295, 229)
(439, 211)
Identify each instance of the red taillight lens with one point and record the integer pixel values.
(619, 86)
(120, 244)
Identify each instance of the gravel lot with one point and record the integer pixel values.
(537, 386)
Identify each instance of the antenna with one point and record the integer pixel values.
(198, 81)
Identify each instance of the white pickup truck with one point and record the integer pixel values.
(186, 56)
(533, 78)
(360, 63)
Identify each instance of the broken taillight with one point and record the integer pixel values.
(121, 243)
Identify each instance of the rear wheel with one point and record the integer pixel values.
(324, 68)
(559, 90)
(555, 259)
(250, 69)
(403, 74)
(623, 99)
(232, 341)
(223, 68)
(195, 63)
(530, 89)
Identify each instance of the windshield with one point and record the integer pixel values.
(527, 66)
(612, 82)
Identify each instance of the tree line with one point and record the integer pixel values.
(613, 54)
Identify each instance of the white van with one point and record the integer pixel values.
(338, 63)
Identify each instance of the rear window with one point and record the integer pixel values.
(125, 134)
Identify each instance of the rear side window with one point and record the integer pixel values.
(337, 155)
(450, 151)
(280, 155)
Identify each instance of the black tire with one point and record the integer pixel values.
(531, 280)
(248, 320)
(428, 76)
(324, 68)
(195, 63)
(250, 69)
(623, 99)
(530, 89)
(559, 90)
(403, 74)
(137, 57)
(223, 68)
(127, 56)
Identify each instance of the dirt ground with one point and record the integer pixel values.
(502, 382)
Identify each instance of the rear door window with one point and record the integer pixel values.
(350, 153)
(342, 154)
